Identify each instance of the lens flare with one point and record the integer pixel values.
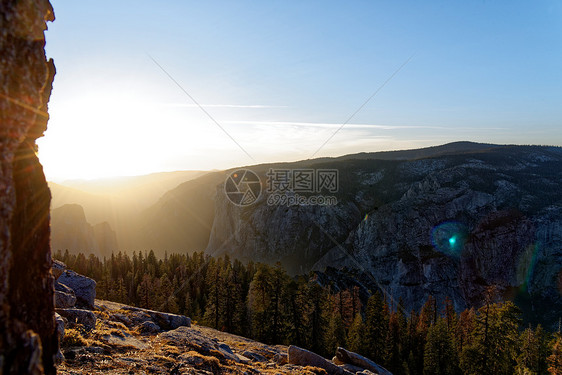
(526, 266)
(449, 238)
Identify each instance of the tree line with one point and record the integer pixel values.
(264, 303)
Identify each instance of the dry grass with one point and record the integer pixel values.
(73, 337)
(203, 362)
(170, 350)
(314, 370)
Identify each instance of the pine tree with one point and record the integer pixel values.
(450, 315)
(528, 359)
(214, 307)
(439, 354)
(258, 302)
(494, 340)
(298, 308)
(335, 334)
(414, 348)
(376, 327)
(555, 358)
(145, 292)
(543, 338)
(355, 335)
(168, 301)
(319, 309)
(234, 298)
(121, 291)
(393, 360)
(463, 330)
(278, 298)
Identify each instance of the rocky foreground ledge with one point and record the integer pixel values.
(100, 337)
(130, 340)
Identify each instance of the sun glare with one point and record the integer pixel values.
(122, 134)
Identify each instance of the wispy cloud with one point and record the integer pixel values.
(351, 126)
(251, 106)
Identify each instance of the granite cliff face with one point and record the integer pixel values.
(296, 236)
(28, 340)
(71, 231)
(450, 224)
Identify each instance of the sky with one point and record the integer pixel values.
(151, 86)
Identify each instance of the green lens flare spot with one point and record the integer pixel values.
(449, 238)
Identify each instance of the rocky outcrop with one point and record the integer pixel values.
(83, 287)
(57, 268)
(138, 316)
(355, 359)
(28, 338)
(149, 327)
(64, 300)
(303, 357)
(79, 316)
(74, 298)
(126, 339)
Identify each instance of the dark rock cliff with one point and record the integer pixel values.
(448, 224)
(463, 223)
(28, 341)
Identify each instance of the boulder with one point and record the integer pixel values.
(303, 357)
(84, 288)
(63, 288)
(123, 319)
(124, 340)
(227, 352)
(280, 359)
(57, 268)
(149, 327)
(59, 324)
(189, 338)
(64, 300)
(255, 357)
(166, 321)
(79, 316)
(176, 321)
(355, 359)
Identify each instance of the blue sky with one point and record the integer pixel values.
(280, 77)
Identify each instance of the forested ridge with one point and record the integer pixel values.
(262, 302)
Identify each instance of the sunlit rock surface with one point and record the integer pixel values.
(28, 337)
